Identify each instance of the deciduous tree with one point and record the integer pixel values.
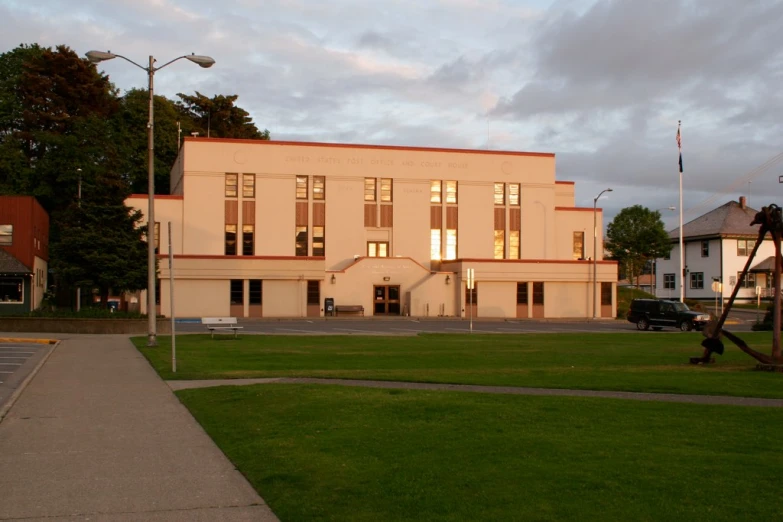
(635, 236)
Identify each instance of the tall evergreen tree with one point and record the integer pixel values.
(218, 117)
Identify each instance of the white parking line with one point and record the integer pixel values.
(293, 330)
(6, 372)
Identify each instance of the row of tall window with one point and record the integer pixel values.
(248, 240)
(437, 188)
(319, 187)
(319, 241)
(696, 280)
(255, 292)
(371, 190)
(513, 244)
(248, 185)
(507, 192)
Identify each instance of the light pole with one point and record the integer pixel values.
(202, 61)
(595, 249)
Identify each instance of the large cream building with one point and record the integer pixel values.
(273, 229)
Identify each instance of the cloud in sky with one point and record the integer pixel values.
(600, 83)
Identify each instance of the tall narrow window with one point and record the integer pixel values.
(377, 249)
(522, 293)
(301, 187)
(314, 292)
(579, 245)
(248, 243)
(435, 244)
(513, 194)
(500, 196)
(231, 185)
(237, 292)
(301, 241)
(157, 237)
(386, 189)
(471, 296)
(255, 292)
(606, 294)
(513, 244)
(231, 240)
(451, 192)
(319, 187)
(369, 189)
(705, 249)
(500, 244)
(318, 241)
(248, 186)
(538, 293)
(6, 235)
(451, 244)
(435, 188)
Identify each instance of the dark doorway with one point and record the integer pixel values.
(386, 300)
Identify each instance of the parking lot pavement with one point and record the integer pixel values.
(18, 360)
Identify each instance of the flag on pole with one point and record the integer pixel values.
(679, 145)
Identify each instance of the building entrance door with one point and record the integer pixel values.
(386, 300)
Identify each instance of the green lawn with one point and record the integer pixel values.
(334, 453)
(650, 361)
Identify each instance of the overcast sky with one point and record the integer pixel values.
(601, 84)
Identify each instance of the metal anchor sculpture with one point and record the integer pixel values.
(771, 221)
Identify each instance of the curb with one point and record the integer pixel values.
(18, 391)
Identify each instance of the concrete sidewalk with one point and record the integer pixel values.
(96, 435)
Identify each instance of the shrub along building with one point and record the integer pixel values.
(274, 229)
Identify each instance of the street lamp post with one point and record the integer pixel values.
(595, 250)
(202, 61)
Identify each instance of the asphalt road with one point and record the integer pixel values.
(17, 360)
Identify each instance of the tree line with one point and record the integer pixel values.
(63, 124)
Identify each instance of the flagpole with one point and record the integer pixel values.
(682, 251)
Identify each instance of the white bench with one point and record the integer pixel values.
(218, 324)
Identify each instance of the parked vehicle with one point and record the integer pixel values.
(661, 312)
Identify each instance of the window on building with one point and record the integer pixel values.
(301, 187)
(386, 189)
(697, 280)
(606, 294)
(745, 246)
(157, 290)
(435, 244)
(6, 235)
(369, 189)
(231, 240)
(668, 281)
(318, 241)
(471, 296)
(314, 292)
(377, 249)
(500, 244)
(157, 237)
(667, 256)
(451, 192)
(231, 185)
(435, 195)
(522, 293)
(248, 186)
(579, 245)
(255, 292)
(11, 290)
(500, 194)
(248, 243)
(513, 194)
(237, 292)
(513, 244)
(451, 244)
(705, 249)
(319, 187)
(301, 241)
(750, 279)
(538, 293)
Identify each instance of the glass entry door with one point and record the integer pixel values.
(386, 300)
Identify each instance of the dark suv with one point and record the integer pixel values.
(660, 312)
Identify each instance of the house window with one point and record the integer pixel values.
(386, 190)
(667, 256)
(319, 187)
(369, 189)
(157, 237)
(255, 292)
(301, 241)
(522, 293)
(435, 244)
(377, 249)
(538, 293)
(745, 246)
(237, 292)
(451, 244)
(248, 245)
(668, 281)
(705, 249)
(513, 194)
(500, 243)
(435, 195)
(451, 192)
(471, 296)
(231, 240)
(301, 187)
(500, 196)
(318, 241)
(314, 292)
(606, 294)
(248, 186)
(6, 236)
(231, 185)
(697, 280)
(750, 279)
(579, 245)
(513, 244)
(11, 290)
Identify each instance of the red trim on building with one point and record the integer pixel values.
(257, 258)
(565, 182)
(531, 261)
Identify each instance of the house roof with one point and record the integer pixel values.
(10, 265)
(768, 265)
(731, 219)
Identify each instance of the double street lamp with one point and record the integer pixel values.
(201, 61)
(595, 251)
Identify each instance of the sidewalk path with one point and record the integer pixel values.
(97, 435)
(513, 390)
